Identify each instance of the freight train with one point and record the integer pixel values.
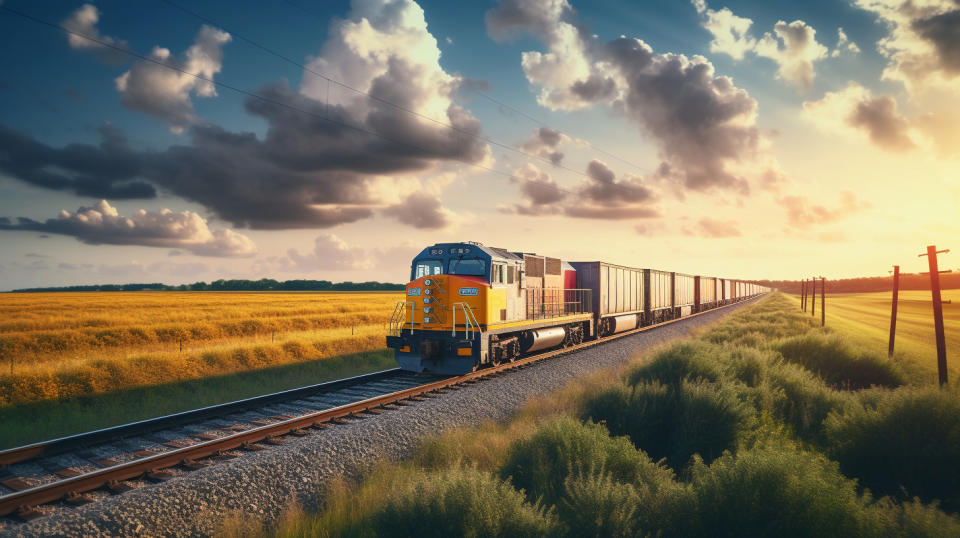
(468, 306)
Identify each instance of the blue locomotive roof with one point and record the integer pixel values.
(445, 251)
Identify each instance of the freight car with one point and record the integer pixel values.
(468, 305)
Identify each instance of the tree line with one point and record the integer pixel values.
(264, 284)
(908, 281)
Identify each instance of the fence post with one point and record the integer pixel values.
(803, 295)
(823, 302)
(893, 313)
(937, 310)
(813, 304)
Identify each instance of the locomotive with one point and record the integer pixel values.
(468, 305)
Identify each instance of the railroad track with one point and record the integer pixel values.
(79, 469)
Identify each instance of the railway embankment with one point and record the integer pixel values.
(761, 425)
(261, 486)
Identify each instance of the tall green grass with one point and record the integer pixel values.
(840, 363)
(904, 442)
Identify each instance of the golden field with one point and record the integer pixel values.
(58, 345)
(866, 318)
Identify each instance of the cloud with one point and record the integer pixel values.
(84, 21)
(543, 143)
(716, 228)
(731, 34)
(844, 45)
(319, 163)
(110, 170)
(856, 109)
(103, 224)
(922, 44)
(166, 94)
(803, 214)
(329, 253)
(540, 192)
(600, 196)
(792, 46)
(420, 210)
(703, 124)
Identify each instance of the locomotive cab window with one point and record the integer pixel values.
(496, 274)
(469, 266)
(427, 268)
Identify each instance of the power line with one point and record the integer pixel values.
(491, 99)
(330, 80)
(264, 98)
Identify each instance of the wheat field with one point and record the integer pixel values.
(62, 345)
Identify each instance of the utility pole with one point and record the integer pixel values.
(893, 313)
(813, 304)
(937, 310)
(823, 302)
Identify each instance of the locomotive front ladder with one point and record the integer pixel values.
(469, 320)
(399, 317)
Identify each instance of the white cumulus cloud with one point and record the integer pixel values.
(103, 224)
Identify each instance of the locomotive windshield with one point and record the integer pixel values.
(427, 268)
(470, 266)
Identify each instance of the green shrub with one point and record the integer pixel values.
(916, 519)
(541, 464)
(773, 491)
(906, 439)
(802, 400)
(840, 363)
(458, 502)
(594, 504)
(673, 422)
(690, 361)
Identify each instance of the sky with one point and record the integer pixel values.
(165, 141)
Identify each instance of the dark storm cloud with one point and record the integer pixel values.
(879, 117)
(604, 188)
(420, 210)
(943, 31)
(109, 170)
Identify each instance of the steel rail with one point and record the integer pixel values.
(113, 433)
(24, 500)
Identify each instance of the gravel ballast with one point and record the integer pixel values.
(262, 484)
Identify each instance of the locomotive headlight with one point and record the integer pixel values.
(427, 319)
(427, 310)
(426, 292)
(427, 282)
(427, 300)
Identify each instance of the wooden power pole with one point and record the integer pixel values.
(893, 313)
(937, 310)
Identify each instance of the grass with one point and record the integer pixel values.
(56, 346)
(757, 427)
(39, 421)
(864, 318)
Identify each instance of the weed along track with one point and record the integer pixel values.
(40, 479)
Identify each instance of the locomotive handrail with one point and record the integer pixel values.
(470, 321)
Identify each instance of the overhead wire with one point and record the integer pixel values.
(370, 96)
(323, 117)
